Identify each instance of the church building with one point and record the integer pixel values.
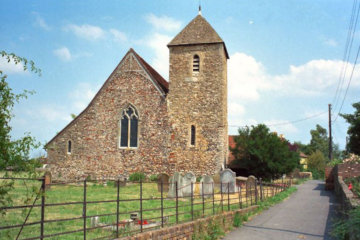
(139, 122)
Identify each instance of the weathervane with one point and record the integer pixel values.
(199, 7)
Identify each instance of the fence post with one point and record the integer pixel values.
(203, 198)
(261, 190)
(239, 191)
(228, 189)
(177, 210)
(42, 208)
(162, 203)
(251, 198)
(192, 201)
(84, 209)
(117, 208)
(141, 211)
(256, 192)
(213, 197)
(221, 192)
(282, 183)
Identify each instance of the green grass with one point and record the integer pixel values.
(24, 192)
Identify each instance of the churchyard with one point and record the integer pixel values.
(62, 208)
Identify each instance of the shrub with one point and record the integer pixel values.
(316, 163)
(137, 176)
(237, 220)
(344, 228)
(154, 178)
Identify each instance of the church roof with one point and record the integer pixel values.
(160, 81)
(198, 31)
(153, 73)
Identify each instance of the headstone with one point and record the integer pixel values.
(176, 178)
(94, 221)
(250, 184)
(47, 176)
(228, 181)
(163, 178)
(122, 181)
(208, 184)
(188, 179)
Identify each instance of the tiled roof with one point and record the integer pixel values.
(153, 73)
(232, 144)
(198, 31)
(162, 83)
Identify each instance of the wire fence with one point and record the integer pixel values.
(112, 209)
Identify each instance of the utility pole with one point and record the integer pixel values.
(330, 135)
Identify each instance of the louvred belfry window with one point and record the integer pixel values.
(196, 63)
(193, 135)
(129, 128)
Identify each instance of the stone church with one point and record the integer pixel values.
(139, 122)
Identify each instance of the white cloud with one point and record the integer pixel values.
(163, 23)
(82, 95)
(157, 42)
(63, 54)
(40, 22)
(281, 128)
(235, 109)
(86, 31)
(330, 42)
(246, 77)
(10, 67)
(117, 35)
(251, 22)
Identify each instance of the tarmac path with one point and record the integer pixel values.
(306, 214)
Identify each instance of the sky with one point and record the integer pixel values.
(286, 57)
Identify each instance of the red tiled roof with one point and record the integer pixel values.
(163, 84)
(153, 73)
(232, 144)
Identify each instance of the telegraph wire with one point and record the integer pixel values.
(347, 62)
(335, 99)
(286, 123)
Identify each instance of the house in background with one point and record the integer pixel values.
(303, 160)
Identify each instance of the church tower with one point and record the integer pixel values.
(197, 99)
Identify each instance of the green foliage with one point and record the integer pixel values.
(316, 164)
(14, 154)
(334, 162)
(137, 176)
(153, 178)
(355, 181)
(353, 145)
(198, 178)
(215, 231)
(263, 153)
(237, 220)
(344, 228)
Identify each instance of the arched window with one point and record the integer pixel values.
(196, 63)
(129, 128)
(193, 135)
(69, 147)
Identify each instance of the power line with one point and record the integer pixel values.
(347, 62)
(288, 122)
(345, 50)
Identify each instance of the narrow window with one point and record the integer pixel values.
(69, 147)
(193, 134)
(129, 128)
(196, 63)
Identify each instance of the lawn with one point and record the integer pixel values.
(23, 194)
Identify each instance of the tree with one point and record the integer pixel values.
(14, 154)
(263, 153)
(353, 145)
(316, 164)
(320, 141)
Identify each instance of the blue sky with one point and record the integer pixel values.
(285, 56)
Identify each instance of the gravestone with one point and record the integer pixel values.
(176, 178)
(250, 184)
(122, 181)
(163, 178)
(228, 181)
(208, 184)
(47, 176)
(186, 184)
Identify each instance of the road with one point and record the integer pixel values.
(307, 214)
